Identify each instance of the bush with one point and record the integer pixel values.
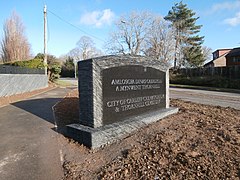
(67, 72)
(68, 68)
(34, 63)
(54, 70)
(209, 81)
(54, 66)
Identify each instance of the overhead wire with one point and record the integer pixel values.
(74, 26)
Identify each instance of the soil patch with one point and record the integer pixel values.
(200, 142)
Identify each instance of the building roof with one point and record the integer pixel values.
(222, 49)
(210, 62)
(234, 52)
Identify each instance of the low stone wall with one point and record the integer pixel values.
(11, 84)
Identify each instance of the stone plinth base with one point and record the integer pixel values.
(97, 137)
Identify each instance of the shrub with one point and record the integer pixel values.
(209, 81)
(68, 68)
(54, 70)
(54, 66)
(67, 72)
(34, 63)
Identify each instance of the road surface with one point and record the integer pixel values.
(215, 98)
(29, 147)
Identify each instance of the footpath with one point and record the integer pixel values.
(214, 98)
(29, 147)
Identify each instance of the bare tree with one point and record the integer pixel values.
(1, 55)
(14, 44)
(142, 33)
(75, 54)
(207, 53)
(85, 45)
(160, 40)
(130, 34)
(85, 49)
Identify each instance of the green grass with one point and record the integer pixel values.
(62, 83)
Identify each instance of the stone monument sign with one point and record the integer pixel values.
(118, 94)
(131, 90)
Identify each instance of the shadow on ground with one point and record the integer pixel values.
(39, 107)
(66, 112)
(63, 113)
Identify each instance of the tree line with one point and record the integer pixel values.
(173, 39)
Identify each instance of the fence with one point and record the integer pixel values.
(227, 72)
(17, 80)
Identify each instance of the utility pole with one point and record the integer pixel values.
(45, 38)
(75, 68)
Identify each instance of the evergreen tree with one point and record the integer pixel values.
(68, 68)
(188, 42)
(193, 56)
(69, 64)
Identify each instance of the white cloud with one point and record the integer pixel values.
(233, 21)
(225, 6)
(98, 18)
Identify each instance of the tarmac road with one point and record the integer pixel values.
(29, 147)
(214, 98)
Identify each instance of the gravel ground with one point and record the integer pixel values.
(200, 142)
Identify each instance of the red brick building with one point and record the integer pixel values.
(219, 58)
(233, 57)
(225, 57)
(220, 52)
